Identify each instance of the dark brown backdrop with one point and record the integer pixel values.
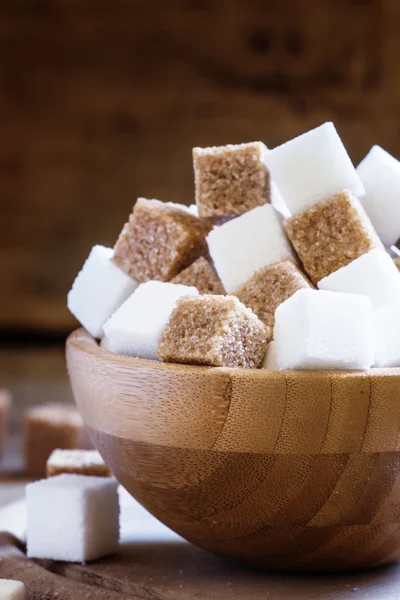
(102, 100)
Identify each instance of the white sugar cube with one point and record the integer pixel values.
(386, 329)
(324, 330)
(313, 167)
(373, 274)
(380, 175)
(244, 245)
(72, 517)
(270, 357)
(98, 290)
(11, 590)
(137, 326)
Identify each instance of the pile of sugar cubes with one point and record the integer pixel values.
(73, 514)
(286, 261)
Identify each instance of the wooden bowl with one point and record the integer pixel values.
(286, 470)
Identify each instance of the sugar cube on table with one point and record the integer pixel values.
(214, 330)
(137, 326)
(74, 518)
(159, 241)
(324, 330)
(244, 245)
(46, 428)
(230, 180)
(80, 462)
(5, 403)
(98, 290)
(200, 274)
(331, 234)
(269, 287)
(373, 274)
(380, 175)
(312, 167)
(270, 357)
(386, 327)
(11, 590)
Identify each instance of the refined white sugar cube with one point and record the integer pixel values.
(72, 517)
(324, 330)
(137, 326)
(313, 167)
(98, 290)
(11, 590)
(270, 357)
(386, 328)
(243, 245)
(380, 175)
(373, 274)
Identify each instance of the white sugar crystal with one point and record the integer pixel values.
(386, 328)
(270, 357)
(72, 517)
(244, 245)
(380, 175)
(11, 590)
(75, 458)
(313, 167)
(98, 290)
(137, 326)
(324, 330)
(373, 274)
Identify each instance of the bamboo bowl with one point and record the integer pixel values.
(295, 471)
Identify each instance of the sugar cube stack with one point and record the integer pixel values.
(137, 326)
(331, 234)
(98, 290)
(230, 180)
(214, 330)
(324, 330)
(11, 590)
(80, 462)
(269, 287)
(244, 245)
(159, 241)
(73, 518)
(313, 167)
(200, 274)
(380, 175)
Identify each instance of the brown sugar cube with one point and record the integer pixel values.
(269, 287)
(212, 330)
(46, 428)
(80, 462)
(202, 275)
(230, 180)
(159, 241)
(331, 234)
(5, 403)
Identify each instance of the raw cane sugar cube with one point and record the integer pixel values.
(98, 290)
(244, 245)
(201, 274)
(80, 462)
(331, 234)
(313, 167)
(271, 286)
(5, 404)
(73, 518)
(324, 330)
(136, 328)
(11, 590)
(386, 327)
(217, 331)
(373, 274)
(230, 180)
(159, 241)
(270, 357)
(380, 175)
(46, 428)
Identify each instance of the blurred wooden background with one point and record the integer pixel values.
(102, 101)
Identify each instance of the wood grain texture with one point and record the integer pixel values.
(286, 470)
(101, 102)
